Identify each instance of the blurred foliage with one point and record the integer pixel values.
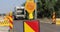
(57, 8)
(47, 7)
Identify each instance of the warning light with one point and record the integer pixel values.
(30, 6)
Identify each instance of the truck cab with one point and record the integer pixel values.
(19, 13)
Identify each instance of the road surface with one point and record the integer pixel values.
(44, 27)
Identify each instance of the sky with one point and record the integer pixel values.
(8, 5)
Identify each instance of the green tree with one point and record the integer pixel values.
(46, 6)
(57, 9)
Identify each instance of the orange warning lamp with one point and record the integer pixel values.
(30, 7)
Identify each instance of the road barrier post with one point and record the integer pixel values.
(31, 25)
(54, 18)
(10, 18)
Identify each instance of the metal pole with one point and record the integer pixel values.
(36, 10)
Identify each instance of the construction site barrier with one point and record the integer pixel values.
(31, 26)
(57, 21)
(54, 18)
(10, 21)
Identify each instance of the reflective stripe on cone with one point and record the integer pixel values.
(11, 22)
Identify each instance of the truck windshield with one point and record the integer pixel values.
(20, 13)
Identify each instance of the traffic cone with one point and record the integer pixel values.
(54, 18)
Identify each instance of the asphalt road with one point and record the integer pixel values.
(44, 27)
